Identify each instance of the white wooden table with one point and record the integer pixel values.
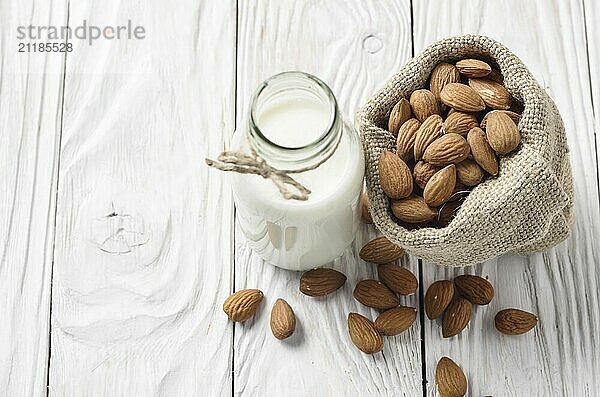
(118, 245)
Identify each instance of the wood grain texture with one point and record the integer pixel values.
(144, 232)
(592, 16)
(30, 118)
(561, 286)
(354, 47)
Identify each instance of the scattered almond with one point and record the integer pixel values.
(493, 94)
(375, 294)
(283, 320)
(380, 250)
(447, 149)
(481, 150)
(413, 209)
(395, 321)
(514, 321)
(473, 67)
(441, 186)
(462, 97)
(450, 379)
(398, 279)
(363, 334)
(475, 289)
(502, 133)
(243, 304)
(405, 142)
(400, 113)
(429, 131)
(423, 104)
(320, 282)
(456, 317)
(438, 297)
(394, 176)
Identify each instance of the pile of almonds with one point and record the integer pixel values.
(450, 300)
(382, 294)
(448, 139)
(454, 301)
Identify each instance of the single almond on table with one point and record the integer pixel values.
(405, 142)
(364, 208)
(462, 97)
(400, 113)
(397, 278)
(473, 68)
(320, 282)
(460, 123)
(456, 317)
(394, 176)
(283, 320)
(514, 321)
(493, 94)
(475, 289)
(438, 297)
(469, 173)
(441, 186)
(423, 104)
(444, 73)
(242, 305)
(375, 294)
(482, 152)
(380, 250)
(423, 171)
(363, 334)
(447, 149)
(515, 117)
(413, 209)
(450, 379)
(429, 131)
(502, 133)
(395, 321)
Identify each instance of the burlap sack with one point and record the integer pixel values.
(526, 208)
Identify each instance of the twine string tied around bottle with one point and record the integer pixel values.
(254, 164)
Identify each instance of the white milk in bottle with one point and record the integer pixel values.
(294, 124)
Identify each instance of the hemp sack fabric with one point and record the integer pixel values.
(526, 208)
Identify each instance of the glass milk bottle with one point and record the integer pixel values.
(295, 124)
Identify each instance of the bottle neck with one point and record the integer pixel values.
(294, 121)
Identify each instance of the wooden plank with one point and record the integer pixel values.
(354, 46)
(30, 118)
(560, 285)
(144, 233)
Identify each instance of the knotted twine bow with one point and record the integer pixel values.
(254, 164)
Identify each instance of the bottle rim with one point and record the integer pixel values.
(332, 102)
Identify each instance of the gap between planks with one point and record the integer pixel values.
(57, 156)
(233, 218)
